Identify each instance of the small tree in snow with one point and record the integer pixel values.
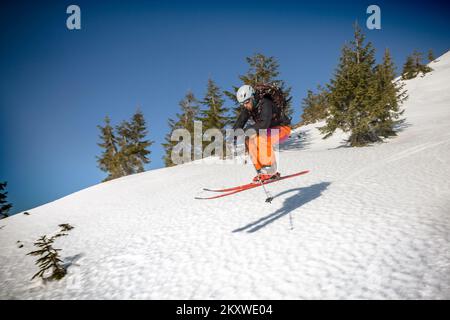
(65, 227)
(49, 261)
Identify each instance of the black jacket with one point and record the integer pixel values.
(265, 115)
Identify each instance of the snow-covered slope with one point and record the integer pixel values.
(367, 223)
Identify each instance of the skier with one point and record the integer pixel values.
(267, 116)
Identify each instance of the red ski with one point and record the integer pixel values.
(248, 186)
(230, 189)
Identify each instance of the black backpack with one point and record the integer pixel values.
(278, 97)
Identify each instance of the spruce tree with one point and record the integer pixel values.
(125, 149)
(419, 66)
(5, 207)
(124, 156)
(409, 70)
(184, 120)
(49, 261)
(352, 92)
(390, 95)
(169, 144)
(262, 69)
(189, 112)
(414, 66)
(314, 106)
(108, 161)
(137, 143)
(214, 113)
(431, 56)
(213, 116)
(133, 152)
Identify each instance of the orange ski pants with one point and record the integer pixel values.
(259, 145)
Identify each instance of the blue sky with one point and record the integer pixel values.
(57, 85)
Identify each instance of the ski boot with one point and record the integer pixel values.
(262, 177)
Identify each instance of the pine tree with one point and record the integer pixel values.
(169, 144)
(189, 112)
(133, 152)
(417, 58)
(419, 66)
(125, 149)
(124, 155)
(409, 70)
(352, 92)
(314, 106)
(137, 143)
(431, 56)
(184, 120)
(108, 161)
(213, 116)
(50, 261)
(390, 95)
(4, 205)
(262, 69)
(414, 66)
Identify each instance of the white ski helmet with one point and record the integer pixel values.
(245, 92)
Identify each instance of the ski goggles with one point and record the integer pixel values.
(246, 101)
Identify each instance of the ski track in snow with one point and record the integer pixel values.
(365, 223)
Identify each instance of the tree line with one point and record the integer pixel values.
(363, 98)
(210, 109)
(125, 147)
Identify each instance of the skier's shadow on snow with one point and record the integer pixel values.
(297, 141)
(301, 197)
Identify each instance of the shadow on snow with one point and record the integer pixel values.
(299, 198)
(297, 141)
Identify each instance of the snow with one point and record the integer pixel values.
(365, 223)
